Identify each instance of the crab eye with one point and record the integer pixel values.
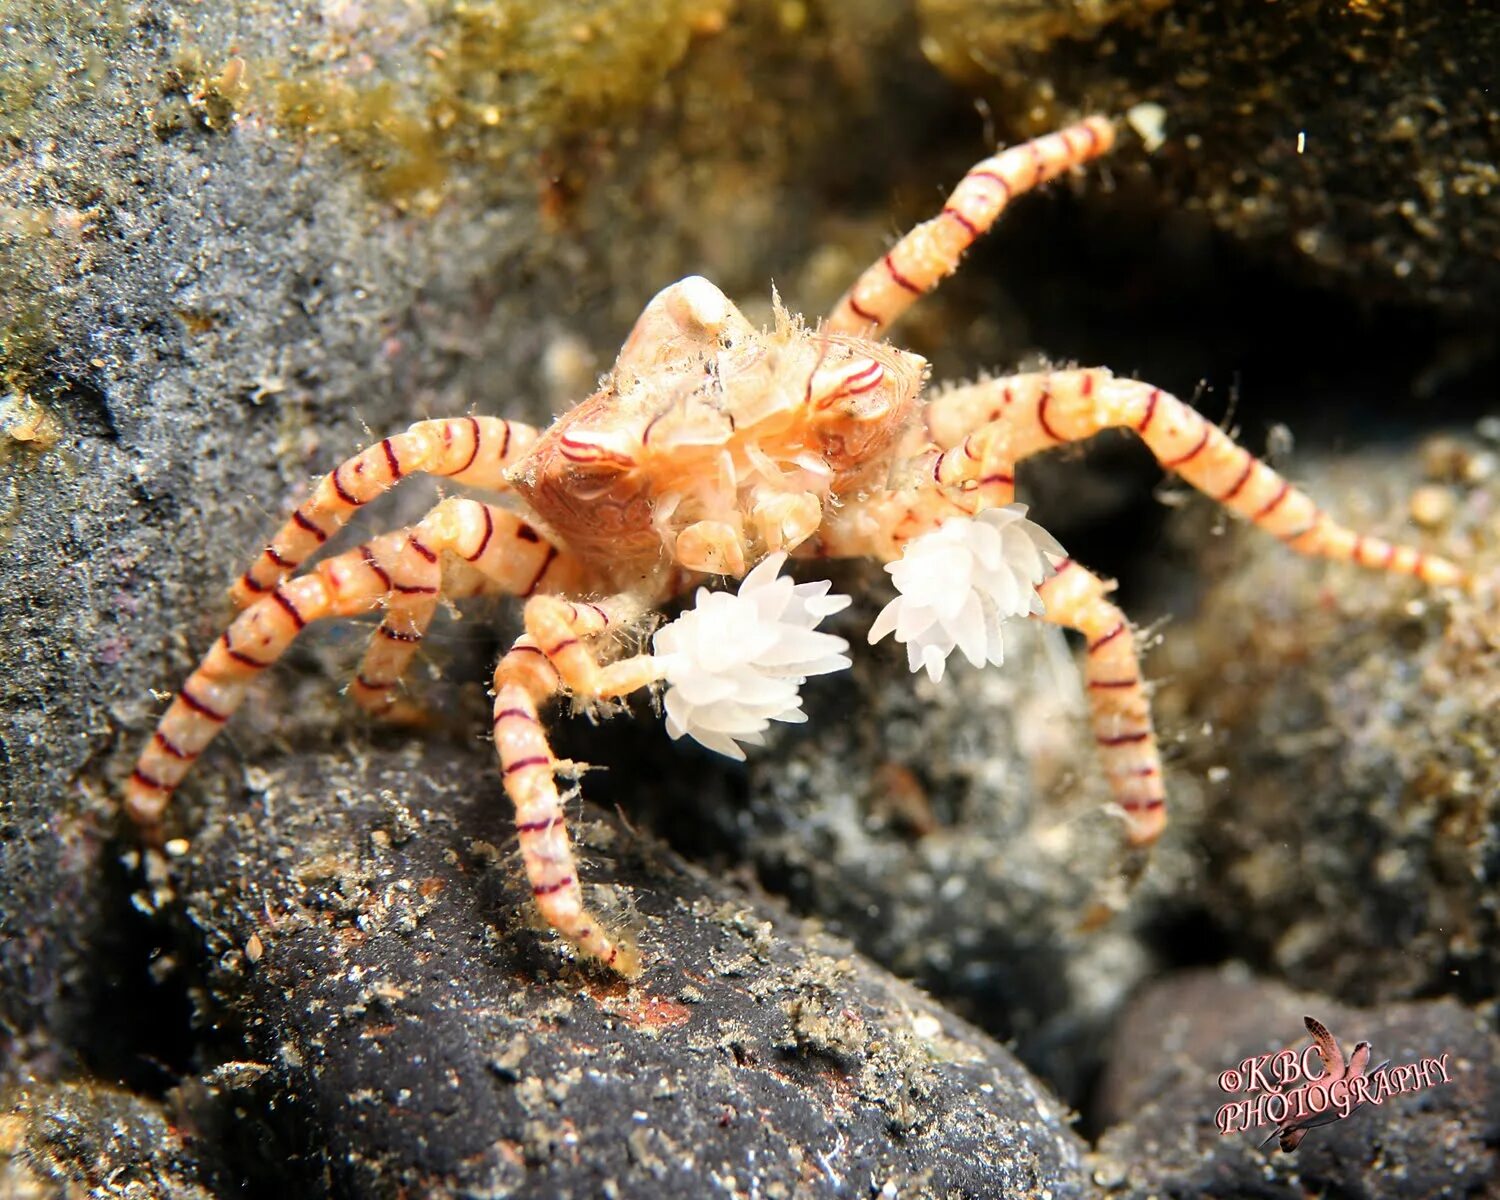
(847, 381)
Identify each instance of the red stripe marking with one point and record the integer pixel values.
(1307, 529)
(850, 390)
(547, 562)
(526, 650)
(524, 827)
(937, 467)
(1242, 480)
(1004, 183)
(1039, 164)
(474, 452)
(526, 533)
(146, 781)
(249, 581)
(603, 616)
(1062, 566)
(374, 685)
(307, 525)
(1041, 417)
(288, 607)
(1108, 637)
(1086, 388)
(415, 589)
(1390, 554)
(240, 657)
(1093, 136)
(1286, 489)
(861, 312)
(1417, 564)
(1356, 551)
(506, 713)
(369, 556)
(270, 552)
(396, 635)
(535, 760)
(969, 225)
(614, 953)
(561, 646)
(429, 555)
(998, 477)
(390, 457)
(338, 486)
(1124, 739)
(968, 453)
(546, 889)
(175, 751)
(901, 279)
(1115, 683)
(1142, 772)
(1148, 805)
(1150, 410)
(489, 529)
(200, 708)
(1172, 464)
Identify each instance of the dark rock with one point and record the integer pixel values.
(58, 1140)
(364, 918)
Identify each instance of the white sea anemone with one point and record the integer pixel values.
(735, 661)
(959, 583)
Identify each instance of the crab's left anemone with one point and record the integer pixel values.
(959, 584)
(735, 661)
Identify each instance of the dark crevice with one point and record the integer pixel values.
(138, 1026)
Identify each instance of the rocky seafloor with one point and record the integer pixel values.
(236, 241)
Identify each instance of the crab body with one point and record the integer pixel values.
(713, 449)
(711, 443)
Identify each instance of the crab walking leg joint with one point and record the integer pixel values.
(468, 450)
(399, 570)
(714, 448)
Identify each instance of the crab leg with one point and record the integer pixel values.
(507, 552)
(394, 569)
(1013, 417)
(931, 251)
(1118, 704)
(470, 450)
(551, 656)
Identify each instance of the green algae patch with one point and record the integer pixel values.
(502, 81)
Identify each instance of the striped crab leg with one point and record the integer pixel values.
(1118, 704)
(395, 568)
(931, 251)
(554, 655)
(469, 450)
(1035, 412)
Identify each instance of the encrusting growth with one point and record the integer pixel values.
(714, 448)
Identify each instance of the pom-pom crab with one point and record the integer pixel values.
(712, 448)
